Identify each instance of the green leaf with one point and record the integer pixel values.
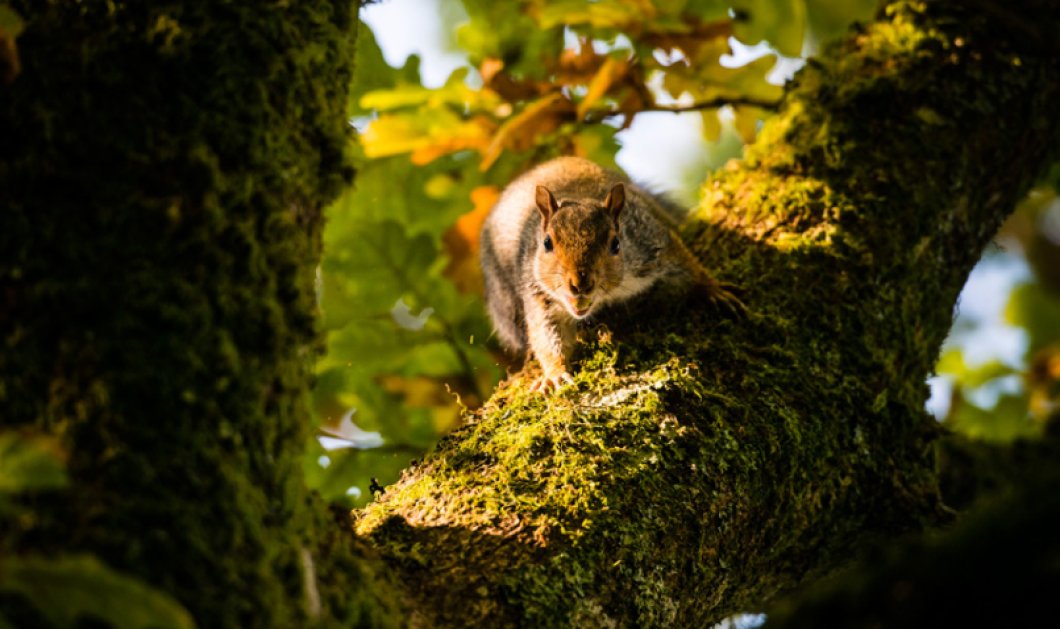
(502, 30)
(598, 143)
(381, 264)
(828, 19)
(1008, 420)
(750, 80)
(705, 10)
(782, 23)
(66, 589)
(30, 463)
(601, 14)
(711, 125)
(455, 92)
(391, 313)
(952, 363)
(1035, 309)
(371, 71)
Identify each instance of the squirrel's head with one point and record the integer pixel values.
(579, 255)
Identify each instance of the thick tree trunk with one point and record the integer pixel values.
(162, 170)
(702, 466)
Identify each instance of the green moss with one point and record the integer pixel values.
(162, 174)
(701, 466)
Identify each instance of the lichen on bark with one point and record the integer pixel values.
(700, 466)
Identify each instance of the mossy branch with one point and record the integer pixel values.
(701, 466)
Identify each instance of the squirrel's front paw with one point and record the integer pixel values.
(722, 295)
(552, 381)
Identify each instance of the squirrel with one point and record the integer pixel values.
(566, 239)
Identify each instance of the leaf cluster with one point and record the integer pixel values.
(996, 400)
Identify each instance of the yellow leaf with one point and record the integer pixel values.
(711, 125)
(700, 70)
(750, 80)
(392, 135)
(601, 14)
(427, 137)
(745, 119)
(690, 37)
(454, 92)
(473, 134)
(610, 70)
(400, 96)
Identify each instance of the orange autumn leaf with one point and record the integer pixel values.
(577, 65)
(461, 242)
(509, 88)
(519, 132)
(472, 134)
(489, 68)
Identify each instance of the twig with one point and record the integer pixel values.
(713, 104)
(747, 101)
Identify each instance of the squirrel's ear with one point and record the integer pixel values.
(546, 204)
(616, 200)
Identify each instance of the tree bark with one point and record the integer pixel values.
(999, 566)
(163, 166)
(702, 466)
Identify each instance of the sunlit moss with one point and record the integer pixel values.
(700, 465)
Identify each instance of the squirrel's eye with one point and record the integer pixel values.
(548, 243)
(614, 247)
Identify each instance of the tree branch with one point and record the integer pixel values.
(745, 101)
(702, 466)
(716, 103)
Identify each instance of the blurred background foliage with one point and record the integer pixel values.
(408, 342)
(999, 373)
(76, 590)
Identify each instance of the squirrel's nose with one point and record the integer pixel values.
(580, 284)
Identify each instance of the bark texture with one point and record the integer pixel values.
(702, 466)
(162, 170)
(998, 567)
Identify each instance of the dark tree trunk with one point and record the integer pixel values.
(163, 166)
